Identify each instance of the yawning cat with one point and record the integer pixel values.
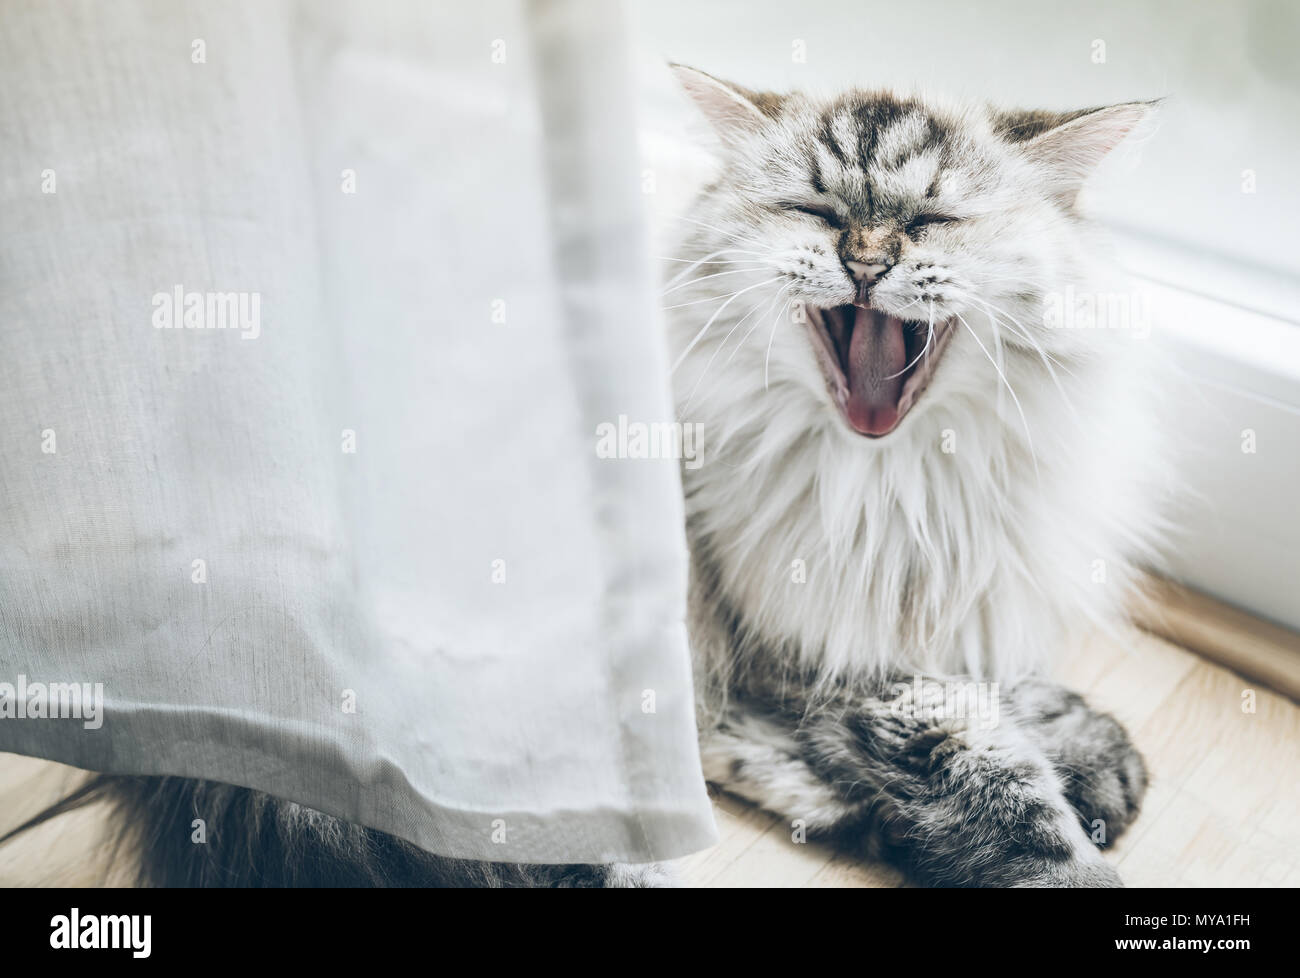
(918, 476)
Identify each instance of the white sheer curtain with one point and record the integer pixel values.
(357, 548)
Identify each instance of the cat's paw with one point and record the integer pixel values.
(1075, 874)
(1103, 776)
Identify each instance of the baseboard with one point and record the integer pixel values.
(1255, 648)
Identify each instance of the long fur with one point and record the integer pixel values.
(1014, 504)
(971, 561)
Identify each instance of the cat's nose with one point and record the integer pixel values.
(866, 273)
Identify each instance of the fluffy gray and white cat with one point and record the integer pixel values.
(911, 479)
(917, 476)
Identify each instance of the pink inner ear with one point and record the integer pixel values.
(725, 108)
(1071, 152)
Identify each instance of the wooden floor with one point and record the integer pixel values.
(1223, 808)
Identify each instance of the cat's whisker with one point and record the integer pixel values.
(717, 312)
(1012, 278)
(1018, 329)
(930, 336)
(1023, 331)
(1047, 358)
(703, 261)
(696, 302)
(731, 236)
(1000, 355)
(924, 350)
(767, 361)
(702, 278)
(1023, 420)
(755, 256)
(691, 399)
(742, 340)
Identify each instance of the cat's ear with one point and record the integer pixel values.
(1069, 145)
(730, 108)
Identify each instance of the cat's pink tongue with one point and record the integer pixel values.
(877, 356)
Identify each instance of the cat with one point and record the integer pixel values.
(911, 476)
(919, 479)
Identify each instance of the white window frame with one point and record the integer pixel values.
(1233, 332)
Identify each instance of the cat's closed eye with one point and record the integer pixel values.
(814, 210)
(925, 220)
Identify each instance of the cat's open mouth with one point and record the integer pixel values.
(876, 365)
